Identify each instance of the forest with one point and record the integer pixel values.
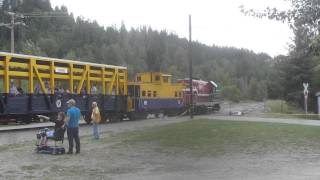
(240, 73)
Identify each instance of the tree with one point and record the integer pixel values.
(31, 48)
(141, 49)
(304, 19)
(231, 93)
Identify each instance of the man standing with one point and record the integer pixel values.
(72, 120)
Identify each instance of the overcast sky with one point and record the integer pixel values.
(216, 22)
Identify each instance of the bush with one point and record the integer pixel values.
(277, 106)
(231, 93)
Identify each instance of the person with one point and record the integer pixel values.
(94, 89)
(20, 91)
(37, 89)
(46, 133)
(72, 121)
(96, 118)
(56, 90)
(83, 91)
(75, 89)
(13, 89)
(47, 86)
(61, 90)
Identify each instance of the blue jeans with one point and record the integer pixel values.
(95, 130)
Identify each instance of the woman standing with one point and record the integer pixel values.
(96, 118)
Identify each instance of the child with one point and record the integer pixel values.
(46, 133)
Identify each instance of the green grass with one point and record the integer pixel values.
(213, 137)
(279, 106)
(282, 109)
(292, 116)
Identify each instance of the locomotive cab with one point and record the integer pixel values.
(205, 97)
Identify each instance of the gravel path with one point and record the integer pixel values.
(13, 137)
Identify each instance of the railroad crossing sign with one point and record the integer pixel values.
(305, 92)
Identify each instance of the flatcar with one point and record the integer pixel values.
(32, 85)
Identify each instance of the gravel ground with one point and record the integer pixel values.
(108, 158)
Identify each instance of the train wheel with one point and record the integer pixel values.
(4, 120)
(216, 107)
(117, 117)
(138, 116)
(28, 120)
(131, 116)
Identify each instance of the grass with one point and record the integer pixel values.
(213, 137)
(282, 109)
(130, 152)
(279, 106)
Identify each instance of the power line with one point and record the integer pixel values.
(11, 25)
(33, 16)
(14, 16)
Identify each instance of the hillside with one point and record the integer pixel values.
(140, 49)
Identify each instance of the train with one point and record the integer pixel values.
(34, 85)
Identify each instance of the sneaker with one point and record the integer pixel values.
(78, 152)
(69, 152)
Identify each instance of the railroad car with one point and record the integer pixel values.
(154, 92)
(33, 85)
(206, 96)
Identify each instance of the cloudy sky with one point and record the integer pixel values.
(216, 22)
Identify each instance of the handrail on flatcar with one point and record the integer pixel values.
(45, 72)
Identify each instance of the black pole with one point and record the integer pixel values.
(190, 70)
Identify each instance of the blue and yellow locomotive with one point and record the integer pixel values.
(154, 92)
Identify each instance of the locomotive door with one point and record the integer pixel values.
(133, 97)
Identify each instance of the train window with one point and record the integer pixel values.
(157, 78)
(149, 93)
(143, 93)
(139, 78)
(176, 94)
(154, 93)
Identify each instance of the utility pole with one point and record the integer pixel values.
(14, 16)
(190, 70)
(11, 26)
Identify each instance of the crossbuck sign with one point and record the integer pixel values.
(305, 92)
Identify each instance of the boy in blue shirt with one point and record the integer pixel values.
(72, 121)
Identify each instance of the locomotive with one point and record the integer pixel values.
(206, 96)
(33, 85)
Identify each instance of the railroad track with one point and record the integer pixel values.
(245, 108)
(18, 127)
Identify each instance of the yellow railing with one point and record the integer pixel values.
(46, 71)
